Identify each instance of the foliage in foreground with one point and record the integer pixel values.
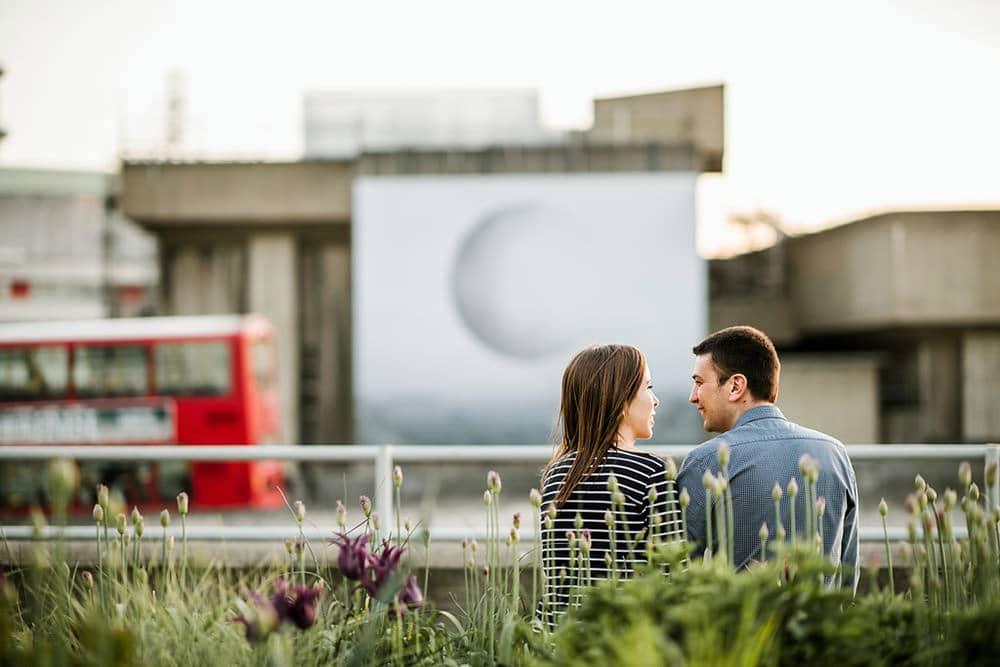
(369, 610)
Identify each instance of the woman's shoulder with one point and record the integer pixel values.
(646, 461)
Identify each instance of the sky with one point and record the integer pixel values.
(833, 110)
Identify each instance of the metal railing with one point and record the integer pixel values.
(385, 457)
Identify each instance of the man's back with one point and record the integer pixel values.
(765, 449)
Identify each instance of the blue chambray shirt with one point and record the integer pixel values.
(765, 448)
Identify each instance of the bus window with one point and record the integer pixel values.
(32, 373)
(263, 363)
(110, 370)
(193, 369)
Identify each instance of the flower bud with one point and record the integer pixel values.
(781, 533)
(803, 464)
(950, 498)
(763, 532)
(136, 516)
(63, 477)
(487, 498)
(776, 492)
(493, 482)
(974, 492)
(299, 509)
(473, 545)
(376, 521)
(552, 511)
(585, 540)
(98, 513)
(407, 525)
(671, 468)
(140, 527)
(685, 498)
(578, 521)
(812, 474)
(919, 483)
(164, 518)
(536, 498)
(931, 495)
(37, 521)
(723, 453)
(547, 522)
(793, 488)
(652, 495)
(707, 479)
(182, 503)
(965, 474)
(618, 499)
(516, 520)
(170, 542)
(289, 545)
(120, 523)
(102, 496)
(366, 506)
(608, 561)
(88, 579)
(397, 477)
(609, 518)
(883, 508)
(612, 483)
(341, 515)
(514, 536)
(820, 506)
(127, 538)
(570, 538)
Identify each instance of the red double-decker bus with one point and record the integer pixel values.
(157, 380)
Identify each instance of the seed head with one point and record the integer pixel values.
(793, 488)
(965, 474)
(763, 532)
(98, 513)
(536, 498)
(671, 468)
(182, 503)
(493, 482)
(516, 520)
(299, 509)
(776, 492)
(397, 477)
(366, 506)
(685, 498)
(883, 508)
(723, 453)
(164, 517)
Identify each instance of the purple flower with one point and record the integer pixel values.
(353, 556)
(303, 609)
(382, 566)
(411, 597)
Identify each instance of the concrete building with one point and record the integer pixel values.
(67, 252)
(896, 319)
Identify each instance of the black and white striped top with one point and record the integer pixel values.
(649, 508)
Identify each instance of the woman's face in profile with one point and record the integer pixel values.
(640, 414)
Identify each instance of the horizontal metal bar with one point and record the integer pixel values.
(415, 453)
(314, 533)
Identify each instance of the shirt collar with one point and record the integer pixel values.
(759, 412)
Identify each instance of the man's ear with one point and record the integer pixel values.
(737, 387)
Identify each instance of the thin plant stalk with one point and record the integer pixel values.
(888, 556)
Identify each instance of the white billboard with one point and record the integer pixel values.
(471, 294)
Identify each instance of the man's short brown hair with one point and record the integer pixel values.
(747, 351)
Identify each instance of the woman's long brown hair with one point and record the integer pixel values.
(597, 387)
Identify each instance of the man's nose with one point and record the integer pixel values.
(693, 396)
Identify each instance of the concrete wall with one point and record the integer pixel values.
(981, 390)
(838, 396)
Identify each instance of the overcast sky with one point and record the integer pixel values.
(831, 112)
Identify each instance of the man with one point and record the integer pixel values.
(735, 386)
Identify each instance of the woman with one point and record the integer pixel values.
(604, 501)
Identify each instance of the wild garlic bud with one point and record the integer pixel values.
(487, 498)
(974, 492)
(931, 495)
(707, 479)
(289, 545)
(536, 498)
(407, 525)
(102, 496)
(570, 538)
(965, 474)
(140, 527)
(723, 453)
(98, 513)
(803, 464)
(366, 506)
(120, 523)
(618, 499)
(552, 511)
(516, 520)
(763, 531)
(493, 482)
(609, 518)
(88, 579)
(136, 516)
(793, 488)
(820, 506)
(182, 503)
(776, 492)
(299, 509)
(164, 517)
(514, 536)
(578, 521)
(685, 498)
(919, 483)
(780, 534)
(612, 483)
(950, 498)
(376, 521)
(397, 477)
(883, 507)
(170, 542)
(652, 495)
(341, 515)
(671, 468)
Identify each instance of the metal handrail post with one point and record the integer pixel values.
(383, 485)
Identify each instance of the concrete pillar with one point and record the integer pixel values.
(272, 292)
(204, 280)
(981, 392)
